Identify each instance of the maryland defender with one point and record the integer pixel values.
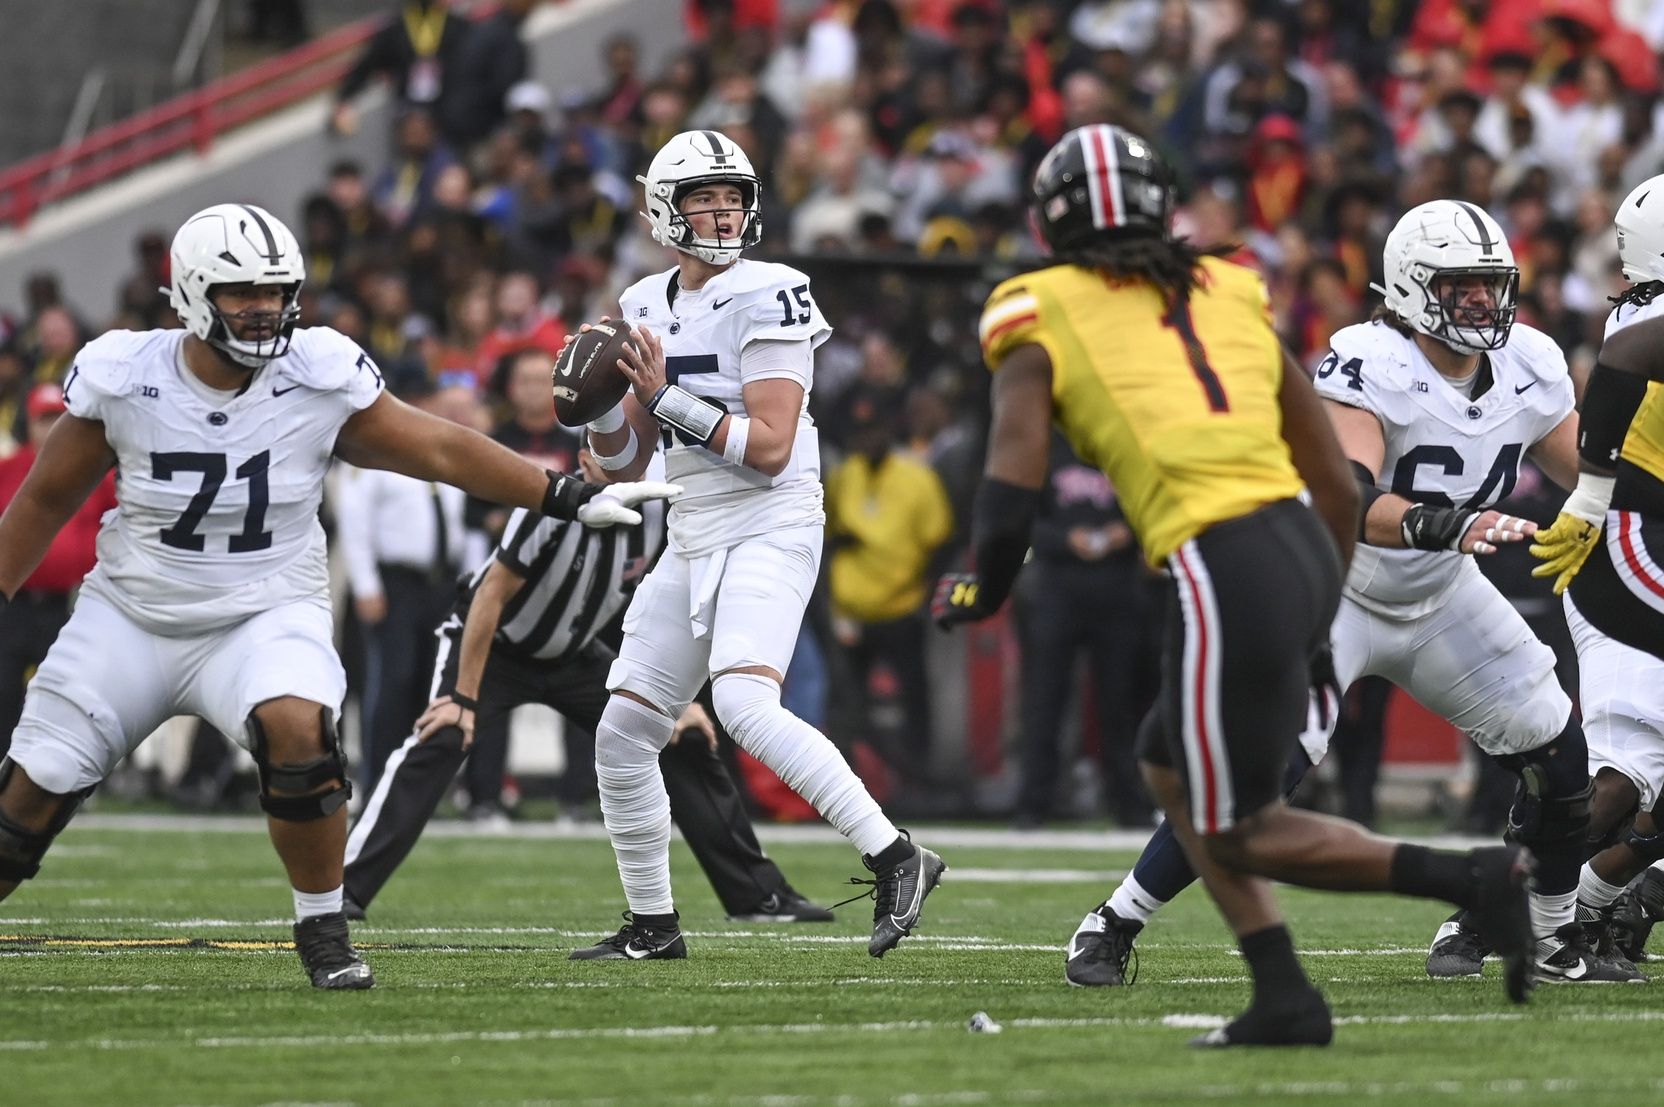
(1159, 363)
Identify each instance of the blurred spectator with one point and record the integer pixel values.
(404, 190)
(1083, 593)
(529, 429)
(403, 543)
(415, 52)
(57, 341)
(620, 102)
(490, 61)
(521, 324)
(142, 296)
(886, 517)
(30, 622)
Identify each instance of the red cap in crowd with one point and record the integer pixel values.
(44, 400)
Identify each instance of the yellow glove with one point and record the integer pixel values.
(1563, 548)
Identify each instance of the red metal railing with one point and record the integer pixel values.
(191, 120)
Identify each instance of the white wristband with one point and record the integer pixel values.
(609, 421)
(739, 430)
(619, 460)
(1590, 499)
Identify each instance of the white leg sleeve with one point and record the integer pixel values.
(633, 800)
(800, 755)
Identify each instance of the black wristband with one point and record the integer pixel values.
(468, 702)
(1004, 515)
(1367, 491)
(1426, 527)
(565, 495)
(1609, 406)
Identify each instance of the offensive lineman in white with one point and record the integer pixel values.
(721, 367)
(210, 596)
(1434, 401)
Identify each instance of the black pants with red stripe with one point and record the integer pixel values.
(1620, 589)
(1251, 603)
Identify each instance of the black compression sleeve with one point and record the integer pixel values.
(1366, 490)
(1609, 406)
(1004, 515)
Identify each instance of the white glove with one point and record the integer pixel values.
(614, 505)
(1590, 499)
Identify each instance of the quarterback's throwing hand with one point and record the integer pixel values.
(1563, 548)
(958, 600)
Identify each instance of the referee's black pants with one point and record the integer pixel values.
(28, 627)
(704, 802)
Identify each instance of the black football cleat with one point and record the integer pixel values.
(899, 893)
(1634, 913)
(1568, 958)
(784, 906)
(326, 953)
(1301, 1020)
(637, 941)
(1503, 876)
(1101, 951)
(1458, 949)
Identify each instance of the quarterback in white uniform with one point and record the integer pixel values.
(721, 364)
(210, 595)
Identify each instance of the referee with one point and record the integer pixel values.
(527, 630)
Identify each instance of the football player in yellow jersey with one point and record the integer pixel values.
(1159, 362)
(1615, 598)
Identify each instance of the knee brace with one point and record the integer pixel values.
(1551, 805)
(21, 849)
(330, 768)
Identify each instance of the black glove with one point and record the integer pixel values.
(1326, 689)
(958, 599)
(565, 495)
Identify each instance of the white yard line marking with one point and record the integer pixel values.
(811, 834)
(550, 1034)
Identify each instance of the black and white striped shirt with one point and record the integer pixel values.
(577, 579)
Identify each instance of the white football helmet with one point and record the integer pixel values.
(235, 244)
(692, 159)
(1440, 240)
(1640, 223)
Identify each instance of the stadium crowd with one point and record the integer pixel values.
(894, 140)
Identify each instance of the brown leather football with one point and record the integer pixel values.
(587, 380)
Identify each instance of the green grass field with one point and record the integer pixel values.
(150, 966)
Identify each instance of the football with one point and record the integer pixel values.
(587, 380)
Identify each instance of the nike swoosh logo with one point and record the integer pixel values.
(635, 954)
(1074, 951)
(1523, 387)
(342, 972)
(282, 391)
(720, 304)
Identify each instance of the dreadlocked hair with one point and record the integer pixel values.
(1173, 265)
(1638, 294)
